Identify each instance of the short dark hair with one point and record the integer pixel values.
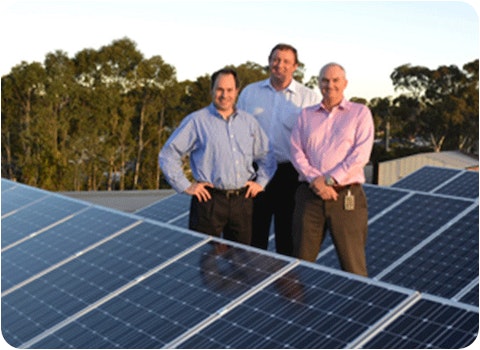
(284, 47)
(226, 71)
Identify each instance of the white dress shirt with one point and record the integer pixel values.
(277, 111)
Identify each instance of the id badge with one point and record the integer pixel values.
(349, 202)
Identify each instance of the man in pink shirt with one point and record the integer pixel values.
(331, 143)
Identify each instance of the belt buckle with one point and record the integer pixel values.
(233, 193)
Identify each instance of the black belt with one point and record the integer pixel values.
(230, 193)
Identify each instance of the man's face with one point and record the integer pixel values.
(224, 93)
(332, 83)
(282, 65)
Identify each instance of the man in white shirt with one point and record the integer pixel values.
(276, 103)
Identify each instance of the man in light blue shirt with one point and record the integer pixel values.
(276, 103)
(223, 143)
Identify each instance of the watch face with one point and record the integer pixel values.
(330, 181)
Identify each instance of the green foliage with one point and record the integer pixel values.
(98, 120)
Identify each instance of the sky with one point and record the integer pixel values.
(369, 38)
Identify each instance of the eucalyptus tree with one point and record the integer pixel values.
(21, 89)
(153, 93)
(440, 104)
(106, 77)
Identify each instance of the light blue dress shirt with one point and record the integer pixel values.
(221, 151)
(277, 111)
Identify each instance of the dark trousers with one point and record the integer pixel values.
(348, 228)
(276, 201)
(230, 215)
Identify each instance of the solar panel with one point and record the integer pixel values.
(429, 324)
(443, 265)
(167, 209)
(426, 179)
(40, 214)
(381, 198)
(163, 306)
(402, 228)
(60, 242)
(97, 278)
(306, 308)
(76, 284)
(17, 196)
(464, 185)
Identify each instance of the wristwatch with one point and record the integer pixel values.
(330, 181)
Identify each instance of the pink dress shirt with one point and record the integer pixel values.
(336, 143)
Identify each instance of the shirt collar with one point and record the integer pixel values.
(292, 87)
(342, 105)
(213, 110)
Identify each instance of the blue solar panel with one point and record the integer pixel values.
(465, 185)
(58, 243)
(156, 310)
(7, 184)
(167, 209)
(50, 298)
(105, 279)
(426, 179)
(401, 229)
(429, 324)
(19, 196)
(471, 296)
(380, 198)
(307, 308)
(443, 266)
(42, 213)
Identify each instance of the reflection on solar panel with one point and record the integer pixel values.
(77, 275)
(306, 308)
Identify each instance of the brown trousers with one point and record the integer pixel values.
(313, 215)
